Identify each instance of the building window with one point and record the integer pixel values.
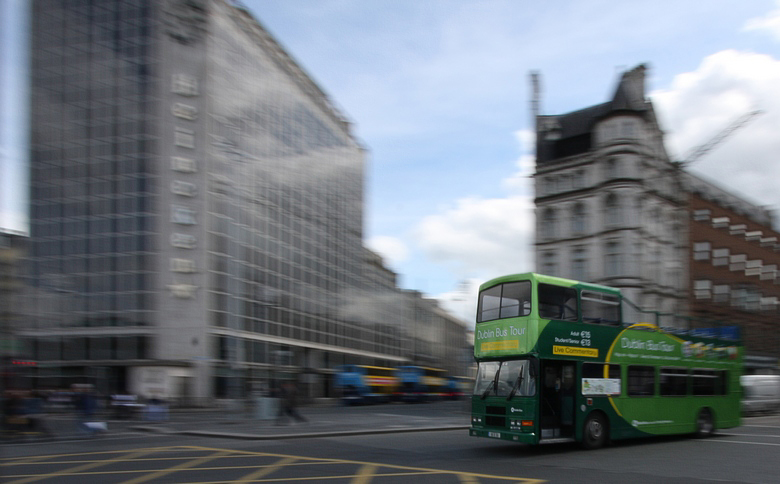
(184, 188)
(549, 264)
(184, 85)
(737, 229)
(550, 185)
(611, 169)
(720, 293)
(701, 215)
(702, 289)
(578, 219)
(184, 138)
(628, 129)
(579, 180)
(720, 222)
(183, 165)
(769, 272)
(185, 111)
(701, 251)
(612, 210)
(564, 183)
(183, 241)
(769, 303)
(182, 265)
(183, 215)
(612, 258)
(579, 262)
(549, 220)
(768, 241)
(737, 262)
(753, 267)
(720, 257)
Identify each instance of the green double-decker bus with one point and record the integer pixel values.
(556, 363)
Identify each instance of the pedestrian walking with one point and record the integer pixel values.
(36, 415)
(86, 407)
(289, 404)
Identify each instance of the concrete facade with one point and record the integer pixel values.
(197, 211)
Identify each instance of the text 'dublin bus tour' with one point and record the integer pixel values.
(557, 363)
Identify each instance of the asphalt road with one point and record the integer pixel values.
(746, 454)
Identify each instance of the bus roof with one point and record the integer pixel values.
(558, 281)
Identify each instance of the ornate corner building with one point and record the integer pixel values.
(608, 205)
(612, 208)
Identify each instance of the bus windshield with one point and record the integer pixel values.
(508, 379)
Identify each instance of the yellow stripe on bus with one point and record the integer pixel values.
(512, 344)
(576, 351)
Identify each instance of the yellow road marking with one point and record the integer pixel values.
(367, 470)
(35, 459)
(180, 467)
(365, 474)
(266, 470)
(466, 479)
(325, 478)
(419, 470)
(74, 454)
(81, 468)
(142, 471)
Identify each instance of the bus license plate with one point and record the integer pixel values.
(494, 434)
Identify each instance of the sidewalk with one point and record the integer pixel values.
(323, 420)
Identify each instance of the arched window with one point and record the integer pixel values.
(578, 222)
(612, 216)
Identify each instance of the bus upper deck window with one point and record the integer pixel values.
(602, 308)
(556, 302)
(509, 300)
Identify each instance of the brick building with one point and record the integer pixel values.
(734, 257)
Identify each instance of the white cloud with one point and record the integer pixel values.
(480, 237)
(700, 104)
(392, 249)
(769, 23)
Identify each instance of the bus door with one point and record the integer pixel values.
(557, 398)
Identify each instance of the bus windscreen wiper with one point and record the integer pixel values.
(487, 390)
(518, 382)
(493, 384)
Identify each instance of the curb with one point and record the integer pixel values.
(335, 433)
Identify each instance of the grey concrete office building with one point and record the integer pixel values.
(196, 218)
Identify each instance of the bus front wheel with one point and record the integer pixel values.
(705, 424)
(595, 431)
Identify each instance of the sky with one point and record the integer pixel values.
(14, 93)
(438, 92)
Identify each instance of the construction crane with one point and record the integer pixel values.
(718, 139)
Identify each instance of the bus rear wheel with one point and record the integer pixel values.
(705, 424)
(594, 432)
